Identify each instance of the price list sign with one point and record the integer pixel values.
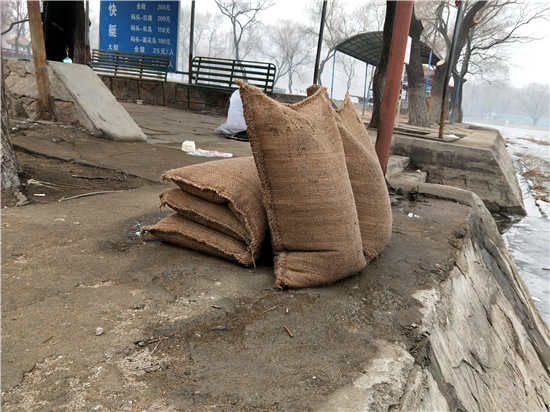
(149, 27)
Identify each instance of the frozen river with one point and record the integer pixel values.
(528, 239)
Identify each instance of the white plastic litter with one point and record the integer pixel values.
(235, 119)
(188, 146)
(209, 153)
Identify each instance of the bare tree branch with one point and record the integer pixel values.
(243, 15)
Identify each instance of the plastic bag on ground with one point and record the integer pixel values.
(235, 119)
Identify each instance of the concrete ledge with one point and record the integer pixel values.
(478, 323)
(80, 96)
(104, 114)
(478, 162)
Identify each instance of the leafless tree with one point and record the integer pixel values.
(213, 35)
(288, 50)
(348, 66)
(206, 39)
(536, 99)
(339, 25)
(14, 16)
(243, 15)
(486, 29)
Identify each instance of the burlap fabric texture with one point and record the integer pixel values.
(367, 180)
(306, 188)
(219, 209)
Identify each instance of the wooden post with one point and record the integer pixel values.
(400, 31)
(46, 109)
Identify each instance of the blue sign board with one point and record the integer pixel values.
(149, 27)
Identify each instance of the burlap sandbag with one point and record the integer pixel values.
(367, 180)
(213, 215)
(307, 192)
(179, 230)
(224, 196)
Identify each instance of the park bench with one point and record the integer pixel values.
(130, 65)
(210, 73)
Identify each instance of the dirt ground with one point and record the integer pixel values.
(47, 180)
(182, 330)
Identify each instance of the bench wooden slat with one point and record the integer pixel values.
(139, 66)
(212, 70)
(224, 78)
(220, 73)
(226, 62)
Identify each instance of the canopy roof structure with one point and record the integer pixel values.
(368, 47)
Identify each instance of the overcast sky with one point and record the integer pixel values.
(528, 62)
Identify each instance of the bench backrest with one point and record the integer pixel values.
(128, 64)
(220, 73)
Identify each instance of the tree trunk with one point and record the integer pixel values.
(79, 39)
(437, 92)
(64, 25)
(380, 73)
(290, 82)
(10, 167)
(418, 115)
(453, 98)
(459, 112)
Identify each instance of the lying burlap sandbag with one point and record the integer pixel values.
(307, 192)
(367, 180)
(179, 230)
(213, 215)
(225, 198)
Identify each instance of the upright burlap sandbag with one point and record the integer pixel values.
(307, 192)
(367, 180)
(181, 231)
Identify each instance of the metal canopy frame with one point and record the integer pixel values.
(368, 47)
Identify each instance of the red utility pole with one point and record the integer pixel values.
(400, 31)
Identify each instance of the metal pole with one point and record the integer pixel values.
(320, 43)
(400, 31)
(332, 80)
(450, 62)
(191, 35)
(46, 109)
(428, 74)
(365, 87)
